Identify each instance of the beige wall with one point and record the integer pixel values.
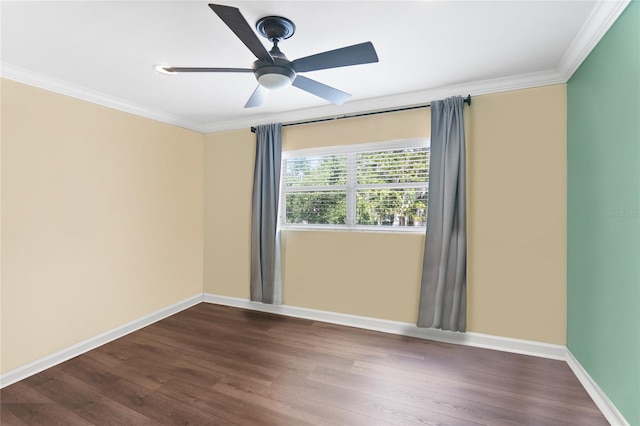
(516, 172)
(374, 128)
(228, 182)
(360, 273)
(517, 167)
(101, 220)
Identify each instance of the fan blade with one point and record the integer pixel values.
(334, 96)
(236, 22)
(362, 53)
(258, 97)
(171, 70)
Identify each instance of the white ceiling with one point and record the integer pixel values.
(105, 52)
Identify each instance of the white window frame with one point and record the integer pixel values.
(351, 186)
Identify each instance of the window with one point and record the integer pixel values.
(379, 186)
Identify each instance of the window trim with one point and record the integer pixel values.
(351, 151)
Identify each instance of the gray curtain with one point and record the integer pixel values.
(265, 241)
(443, 297)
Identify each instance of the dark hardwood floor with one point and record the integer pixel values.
(212, 365)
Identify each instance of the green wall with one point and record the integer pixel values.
(603, 209)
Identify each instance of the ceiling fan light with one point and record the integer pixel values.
(164, 69)
(274, 81)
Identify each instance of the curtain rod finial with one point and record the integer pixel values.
(467, 100)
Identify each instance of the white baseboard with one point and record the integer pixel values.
(65, 354)
(526, 347)
(601, 400)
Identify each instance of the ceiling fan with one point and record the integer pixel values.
(272, 68)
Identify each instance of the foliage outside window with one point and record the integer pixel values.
(364, 186)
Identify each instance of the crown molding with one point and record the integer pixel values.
(62, 87)
(601, 19)
(518, 82)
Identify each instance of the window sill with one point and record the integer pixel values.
(373, 229)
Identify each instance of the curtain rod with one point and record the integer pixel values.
(467, 101)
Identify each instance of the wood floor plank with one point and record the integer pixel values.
(273, 409)
(201, 357)
(299, 339)
(502, 365)
(22, 392)
(417, 386)
(469, 411)
(91, 372)
(217, 365)
(46, 414)
(454, 404)
(234, 340)
(112, 353)
(485, 379)
(7, 418)
(110, 413)
(67, 391)
(256, 355)
(292, 397)
(382, 411)
(157, 406)
(219, 404)
(209, 399)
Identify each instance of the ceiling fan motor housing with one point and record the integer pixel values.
(276, 75)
